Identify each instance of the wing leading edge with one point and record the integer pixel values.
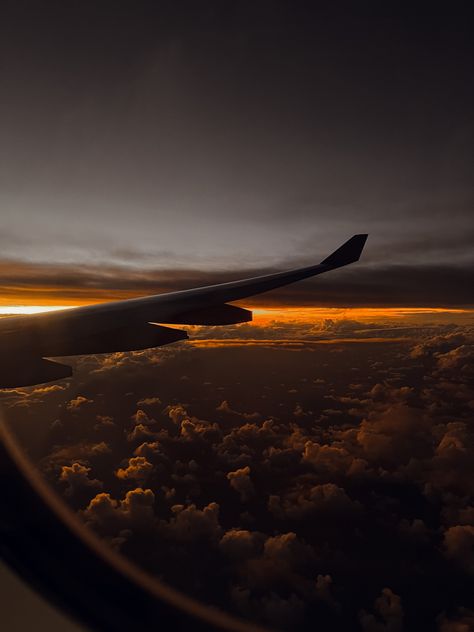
(132, 324)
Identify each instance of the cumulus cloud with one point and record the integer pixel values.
(388, 614)
(328, 499)
(141, 418)
(274, 609)
(177, 413)
(332, 459)
(77, 478)
(142, 433)
(460, 358)
(149, 401)
(104, 421)
(459, 546)
(81, 452)
(111, 517)
(240, 544)
(462, 621)
(286, 549)
(224, 407)
(148, 450)
(192, 428)
(433, 346)
(395, 435)
(240, 481)
(190, 524)
(78, 402)
(29, 398)
(304, 510)
(138, 469)
(324, 586)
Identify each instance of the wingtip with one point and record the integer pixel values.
(349, 252)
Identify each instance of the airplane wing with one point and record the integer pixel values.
(127, 325)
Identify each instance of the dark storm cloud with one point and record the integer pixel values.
(382, 285)
(202, 136)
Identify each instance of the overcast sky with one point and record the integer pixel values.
(250, 135)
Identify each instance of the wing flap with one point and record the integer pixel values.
(89, 338)
(28, 371)
(132, 338)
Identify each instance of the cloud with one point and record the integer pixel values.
(192, 429)
(140, 417)
(279, 611)
(327, 499)
(189, 523)
(462, 621)
(177, 413)
(280, 516)
(388, 615)
(416, 285)
(331, 460)
(290, 344)
(286, 549)
(142, 433)
(324, 590)
(224, 407)
(384, 437)
(148, 450)
(241, 544)
(460, 358)
(459, 546)
(27, 398)
(47, 390)
(149, 401)
(138, 469)
(83, 452)
(75, 404)
(438, 344)
(111, 517)
(240, 481)
(77, 478)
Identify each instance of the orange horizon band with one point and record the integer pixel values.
(260, 314)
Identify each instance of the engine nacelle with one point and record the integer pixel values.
(214, 315)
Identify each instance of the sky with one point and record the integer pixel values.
(153, 145)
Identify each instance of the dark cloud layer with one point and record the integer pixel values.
(329, 485)
(381, 285)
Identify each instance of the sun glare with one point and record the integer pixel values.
(13, 310)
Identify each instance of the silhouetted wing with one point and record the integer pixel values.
(130, 324)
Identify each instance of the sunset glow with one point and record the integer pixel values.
(298, 314)
(367, 314)
(10, 310)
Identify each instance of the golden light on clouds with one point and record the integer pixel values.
(289, 344)
(265, 316)
(360, 314)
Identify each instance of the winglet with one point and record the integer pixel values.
(347, 253)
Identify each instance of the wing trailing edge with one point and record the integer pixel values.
(27, 371)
